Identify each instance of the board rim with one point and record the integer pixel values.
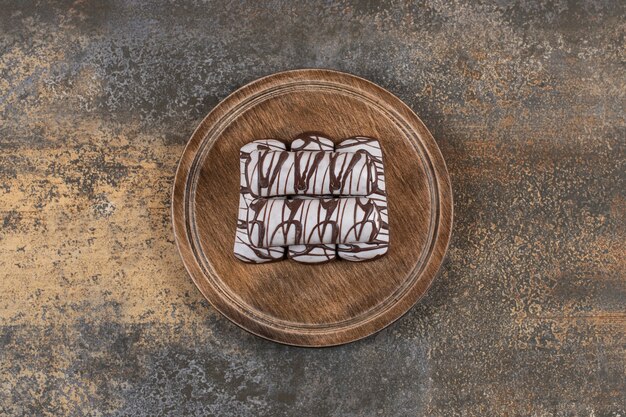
(317, 337)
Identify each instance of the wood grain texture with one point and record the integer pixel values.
(312, 305)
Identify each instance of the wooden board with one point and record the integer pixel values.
(299, 304)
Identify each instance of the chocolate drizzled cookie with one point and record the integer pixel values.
(281, 222)
(311, 173)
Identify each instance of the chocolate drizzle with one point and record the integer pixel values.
(280, 222)
(311, 173)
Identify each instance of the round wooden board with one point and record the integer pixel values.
(312, 305)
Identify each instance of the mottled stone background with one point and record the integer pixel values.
(526, 100)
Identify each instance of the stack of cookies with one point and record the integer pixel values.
(312, 203)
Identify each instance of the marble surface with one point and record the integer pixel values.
(526, 101)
